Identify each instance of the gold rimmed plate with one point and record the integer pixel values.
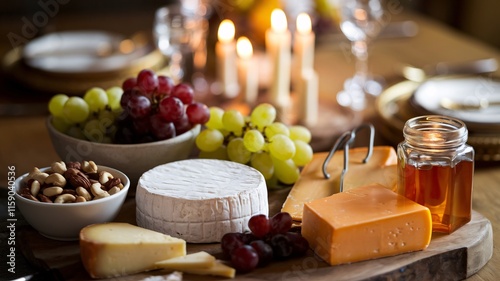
(394, 107)
(62, 62)
(473, 99)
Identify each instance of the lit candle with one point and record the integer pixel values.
(305, 76)
(225, 51)
(247, 70)
(278, 47)
(303, 46)
(307, 97)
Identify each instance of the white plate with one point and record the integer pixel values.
(433, 95)
(78, 52)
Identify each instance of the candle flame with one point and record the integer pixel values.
(304, 23)
(278, 20)
(244, 48)
(226, 31)
(360, 14)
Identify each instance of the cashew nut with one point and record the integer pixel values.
(56, 179)
(33, 172)
(59, 167)
(80, 199)
(35, 188)
(105, 177)
(82, 192)
(52, 191)
(96, 189)
(114, 190)
(89, 167)
(40, 177)
(65, 198)
(102, 195)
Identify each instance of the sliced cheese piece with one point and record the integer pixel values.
(219, 269)
(200, 263)
(196, 260)
(311, 185)
(117, 249)
(365, 223)
(199, 200)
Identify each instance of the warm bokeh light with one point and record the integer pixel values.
(226, 31)
(304, 23)
(127, 46)
(360, 15)
(278, 21)
(244, 48)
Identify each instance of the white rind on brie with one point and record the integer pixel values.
(200, 200)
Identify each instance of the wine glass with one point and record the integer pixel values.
(179, 32)
(361, 22)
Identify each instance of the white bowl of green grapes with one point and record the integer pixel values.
(146, 122)
(260, 140)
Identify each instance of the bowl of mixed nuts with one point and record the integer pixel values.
(59, 200)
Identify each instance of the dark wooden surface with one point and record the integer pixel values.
(450, 257)
(25, 142)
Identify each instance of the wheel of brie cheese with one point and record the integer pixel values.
(199, 200)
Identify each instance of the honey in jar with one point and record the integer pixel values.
(435, 169)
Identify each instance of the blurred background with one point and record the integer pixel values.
(476, 18)
(22, 21)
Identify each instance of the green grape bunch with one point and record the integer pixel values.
(91, 117)
(146, 108)
(276, 150)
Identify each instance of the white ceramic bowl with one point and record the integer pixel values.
(64, 221)
(132, 159)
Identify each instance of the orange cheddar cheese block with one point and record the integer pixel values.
(365, 223)
(311, 185)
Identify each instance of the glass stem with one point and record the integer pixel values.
(360, 51)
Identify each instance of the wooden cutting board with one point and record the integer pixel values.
(448, 257)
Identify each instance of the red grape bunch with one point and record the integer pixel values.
(269, 239)
(154, 108)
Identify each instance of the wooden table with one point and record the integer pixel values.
(25, 143)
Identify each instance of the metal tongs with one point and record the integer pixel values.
(346, 140)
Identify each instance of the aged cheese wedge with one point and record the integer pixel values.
(311, 185)
(200, 263)
(365, 223)
(199, 200)
(117, 249)
(196, 260)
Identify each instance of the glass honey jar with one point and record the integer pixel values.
(435, 169)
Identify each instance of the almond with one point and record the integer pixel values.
(76, 178)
